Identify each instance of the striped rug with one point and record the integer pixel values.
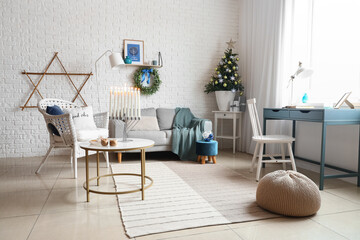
(185, 195)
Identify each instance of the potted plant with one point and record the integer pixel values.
(226, 81)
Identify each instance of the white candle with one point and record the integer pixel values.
(119, 104)
(116, 102)
(138, 102)
(110, 110)
(122, 103)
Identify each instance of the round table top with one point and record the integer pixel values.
(131, 144)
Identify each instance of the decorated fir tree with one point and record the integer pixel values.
(226, 76)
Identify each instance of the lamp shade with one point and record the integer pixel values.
(116, 60)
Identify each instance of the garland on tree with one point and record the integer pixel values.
(145, 74)
(226, 77)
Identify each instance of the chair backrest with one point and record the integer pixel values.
(254, 117)
(43, 103)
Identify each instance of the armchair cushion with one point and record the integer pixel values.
(86, 135)
(54, 110)
(83, 118)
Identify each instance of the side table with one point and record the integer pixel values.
(131, 144)
(236, 117)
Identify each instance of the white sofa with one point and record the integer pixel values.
(162, 137)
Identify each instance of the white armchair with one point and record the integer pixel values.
(68, 135)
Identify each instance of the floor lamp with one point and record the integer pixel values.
(300, 73)
(116, 61)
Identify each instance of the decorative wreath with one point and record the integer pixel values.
(145, 74)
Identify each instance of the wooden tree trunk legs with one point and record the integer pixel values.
(202, 159)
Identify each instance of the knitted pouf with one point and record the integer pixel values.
(288, 193)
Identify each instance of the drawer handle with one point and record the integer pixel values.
(304, 111)
(224, 114)
(275, 110)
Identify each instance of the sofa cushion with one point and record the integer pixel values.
(165, 117)
(159, 137)
(147, 123)
(149, 112)
(86, 135)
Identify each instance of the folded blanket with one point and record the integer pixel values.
(187, 129)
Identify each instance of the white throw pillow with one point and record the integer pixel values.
(83, 118)
(147, 123)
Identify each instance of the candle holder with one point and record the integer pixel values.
(129, 123)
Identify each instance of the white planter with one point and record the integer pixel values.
(223, 99)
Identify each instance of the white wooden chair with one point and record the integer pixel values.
(261, 140)
(65, 126)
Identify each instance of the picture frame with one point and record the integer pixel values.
(135, 50)
(343, 100)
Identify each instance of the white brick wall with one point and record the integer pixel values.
(190, 34)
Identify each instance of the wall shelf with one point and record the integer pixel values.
(144, 65)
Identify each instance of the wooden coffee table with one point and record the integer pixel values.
(130, 144)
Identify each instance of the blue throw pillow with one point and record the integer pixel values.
(54, 110)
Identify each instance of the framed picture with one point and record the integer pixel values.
(135, 50)
(342, 100)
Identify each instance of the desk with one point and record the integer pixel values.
(236, 117)
(326, 117)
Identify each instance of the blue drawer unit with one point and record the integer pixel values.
(276, 113)
(309, 115)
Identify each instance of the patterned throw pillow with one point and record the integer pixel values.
(83, 118)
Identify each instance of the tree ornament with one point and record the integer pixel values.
(221, 62)
(216, 82)
(231, 44)
(237, 68)
(225, 85)
(225, 66)
(216, 69)
(235, 82)
(232, 78)
(234, 68)
(218, 72)
(236, 74)
(229, 71)
(231, 56)
(233, 90)
(229, 62)
(139, 79)
(224, 57)
(220, 80)
(219, 76)
(237, 59)
(225, 77)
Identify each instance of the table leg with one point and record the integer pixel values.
(234, 133)
(293, 135)
(142, 173)
(322, 161)
(97, 167)
(221, 132)
(239, 133)
(358, 180)
(87, 175)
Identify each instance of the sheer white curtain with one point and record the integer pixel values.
(324, 36)
(260, 36)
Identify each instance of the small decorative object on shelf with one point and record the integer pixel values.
(125, 106)
(134, 49)
(154, 62)
(208, 136)
(127, 60)
(147, 80)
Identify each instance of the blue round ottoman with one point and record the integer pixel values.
(204, 149)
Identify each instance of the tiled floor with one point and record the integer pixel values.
(52, 205)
